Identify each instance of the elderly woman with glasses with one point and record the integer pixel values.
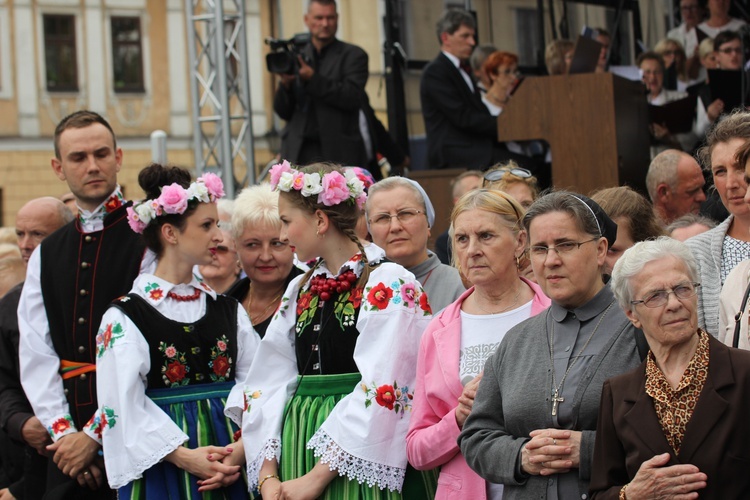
(488, 240)
(675, 427)
(533, 421)
(399, 216)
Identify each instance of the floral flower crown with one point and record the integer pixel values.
(175, 199)
(331, 188)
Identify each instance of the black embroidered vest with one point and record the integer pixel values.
(81, 274)
(202, 352)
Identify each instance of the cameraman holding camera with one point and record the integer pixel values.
(321, 100)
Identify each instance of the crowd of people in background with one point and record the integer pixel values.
(307, 340)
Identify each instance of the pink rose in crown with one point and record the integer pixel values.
(335, 189)
(174, 199)
(214, 185)
(277, 170)
(135, 223)
(298, 181)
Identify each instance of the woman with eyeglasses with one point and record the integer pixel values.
(488, 241)
(533, 421)
(676, 426)
(399, 216)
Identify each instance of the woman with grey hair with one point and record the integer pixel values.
(399, 217)
(267, 260)
(675, 427)
(533, 420)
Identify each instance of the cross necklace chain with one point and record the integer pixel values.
(556, 389)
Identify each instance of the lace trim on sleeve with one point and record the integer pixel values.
(270, 451)
(136, 471)
(363, 471)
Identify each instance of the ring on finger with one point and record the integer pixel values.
(554, 442)
(86, 473)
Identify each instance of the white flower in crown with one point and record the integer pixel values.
(312, 184)
(286, 181)
(145, 212)
(355, 184)
(198, 191)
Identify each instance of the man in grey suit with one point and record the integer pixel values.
(321, 102)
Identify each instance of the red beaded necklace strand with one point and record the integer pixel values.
(185, 298)
(324, 287)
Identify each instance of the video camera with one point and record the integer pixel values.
(283, 58)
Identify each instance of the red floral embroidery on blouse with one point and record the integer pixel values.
(60, 425)
(380, 295)
(385, 396)
(424, 304)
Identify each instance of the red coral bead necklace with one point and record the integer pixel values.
(323, 287)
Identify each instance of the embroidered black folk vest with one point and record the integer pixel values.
(81, 274)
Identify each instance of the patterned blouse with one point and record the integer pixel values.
(674, 408)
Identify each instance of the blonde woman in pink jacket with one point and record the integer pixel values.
(488, 248)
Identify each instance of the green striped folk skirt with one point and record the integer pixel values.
(305, 413)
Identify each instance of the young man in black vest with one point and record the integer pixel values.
(71, 279)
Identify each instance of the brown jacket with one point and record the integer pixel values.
(717, 438)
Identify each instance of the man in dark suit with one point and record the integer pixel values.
(321, 103)
(22, 435)
(461, 133)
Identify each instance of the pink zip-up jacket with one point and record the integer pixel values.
(433, 431)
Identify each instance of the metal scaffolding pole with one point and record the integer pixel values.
(220, 90)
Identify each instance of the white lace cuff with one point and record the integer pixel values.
(118, 480)
(270, 451)
(363, 471)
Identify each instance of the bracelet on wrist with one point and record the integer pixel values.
(266, 478)
(623, 495)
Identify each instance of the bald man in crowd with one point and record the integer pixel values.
(675, 185)
(22, 435)
(38, 219)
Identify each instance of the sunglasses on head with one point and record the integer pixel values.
(496, 175)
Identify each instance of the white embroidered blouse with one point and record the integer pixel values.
(364, 437)
(142, 434)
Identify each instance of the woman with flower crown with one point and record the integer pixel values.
(169, 352)
(329, 395)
